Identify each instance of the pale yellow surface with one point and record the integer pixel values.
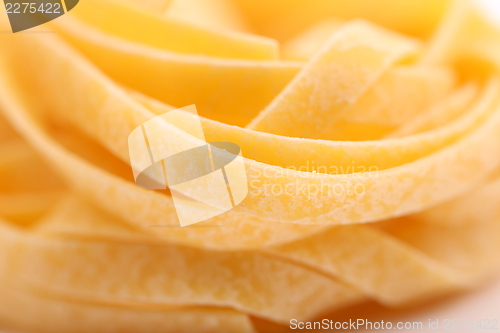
(370, 143)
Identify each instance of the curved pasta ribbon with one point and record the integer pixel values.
(365, 170)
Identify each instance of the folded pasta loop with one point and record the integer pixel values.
(164, 167)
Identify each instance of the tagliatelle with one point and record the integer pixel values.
(325, 209)
(171, 34)
(389, 119)
(283, 19)
(29, 310)
(271, 152)
(231, 97)
(189, 270)
(219, 14)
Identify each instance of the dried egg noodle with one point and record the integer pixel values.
(399, 102)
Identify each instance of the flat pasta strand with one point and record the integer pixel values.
(369, 144)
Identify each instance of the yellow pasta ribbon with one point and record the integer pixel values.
(369, 133)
